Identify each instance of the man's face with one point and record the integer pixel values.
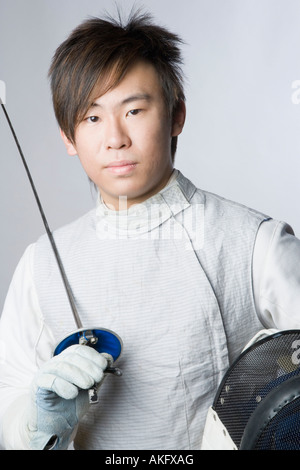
(124, 141)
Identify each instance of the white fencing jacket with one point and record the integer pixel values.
(185, 279)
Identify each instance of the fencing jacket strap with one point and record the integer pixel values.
(172, 277)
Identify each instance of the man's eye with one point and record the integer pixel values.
(133, 112)
(92, 119)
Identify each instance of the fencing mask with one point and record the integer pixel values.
(257, 405)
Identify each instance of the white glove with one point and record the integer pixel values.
(59, 395)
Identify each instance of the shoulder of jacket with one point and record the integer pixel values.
(67, 233)
(218, 202)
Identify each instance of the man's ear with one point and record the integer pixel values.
(178, 118)
(69, 146)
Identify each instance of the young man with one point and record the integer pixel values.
(185, 277)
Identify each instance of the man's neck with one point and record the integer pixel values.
(123, 203)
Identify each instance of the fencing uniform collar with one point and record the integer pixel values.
(146, 216)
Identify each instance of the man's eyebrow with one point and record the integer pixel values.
(137, 97)
(129, 99)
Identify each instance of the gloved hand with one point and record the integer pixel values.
(59, 395)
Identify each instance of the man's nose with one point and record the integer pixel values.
(116, 135)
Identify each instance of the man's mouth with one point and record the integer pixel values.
(122, 167)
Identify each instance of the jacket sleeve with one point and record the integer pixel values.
(25, 342)
(276, 276)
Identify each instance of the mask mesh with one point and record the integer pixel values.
(261, 368)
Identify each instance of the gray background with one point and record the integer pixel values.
(242, 134)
